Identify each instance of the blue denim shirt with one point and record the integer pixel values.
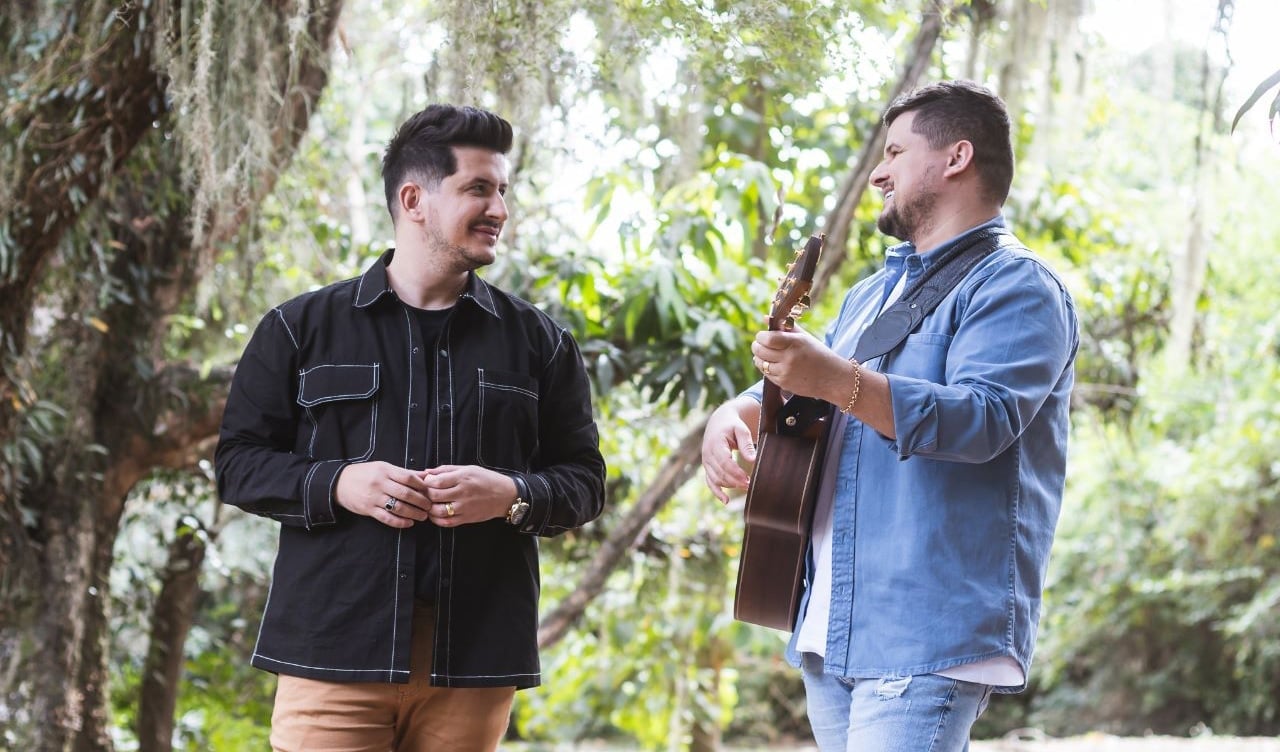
(941, 537)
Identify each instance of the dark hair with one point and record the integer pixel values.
(951, 111)
(423, 145)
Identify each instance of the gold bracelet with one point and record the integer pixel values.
(857, 387)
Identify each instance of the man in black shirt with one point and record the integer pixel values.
(412, 430)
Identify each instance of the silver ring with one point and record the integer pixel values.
(390, 503)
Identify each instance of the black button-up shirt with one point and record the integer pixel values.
(339, 376)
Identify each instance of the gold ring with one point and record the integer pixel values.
(448, 509)
(765, 367)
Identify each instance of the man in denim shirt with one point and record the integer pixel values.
(413, 431)
(946, 461)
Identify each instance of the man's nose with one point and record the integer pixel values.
(497, 208)
(878, 176)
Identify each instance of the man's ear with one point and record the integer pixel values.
(959, 158)
(411, 200)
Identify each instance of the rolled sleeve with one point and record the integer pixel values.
(967, 396)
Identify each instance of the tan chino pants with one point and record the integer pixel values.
(320, 716)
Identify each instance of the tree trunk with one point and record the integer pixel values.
(1191, 264)
(171, 620)
(676, 470)
(981, 14)
(82, 118)
(1059, 110)
(682, 464)
(126, 411)
(840, 219)
(1025, 44)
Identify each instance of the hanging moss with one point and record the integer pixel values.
(232, 70)
(229, 69)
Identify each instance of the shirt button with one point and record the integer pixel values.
(413, 405)
(444, 353)
(415, 351)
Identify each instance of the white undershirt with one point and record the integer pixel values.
(1001, 671)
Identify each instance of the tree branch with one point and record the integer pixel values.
(855, 183)
(78, 126)
(676, 470)
(171, 620)
(682, 463)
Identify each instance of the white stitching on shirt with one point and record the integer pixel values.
(287, 330)
(481, 386)
(559, 344)
(306, 488)
(395, 605)
(258, 655)
(508, 388)
(377, 373)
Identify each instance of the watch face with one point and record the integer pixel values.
(518, 511)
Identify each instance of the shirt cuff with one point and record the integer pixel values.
(318, 490)
(915, 416)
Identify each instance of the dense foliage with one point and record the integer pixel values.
(670, 155)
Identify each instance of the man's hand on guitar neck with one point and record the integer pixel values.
(729, 431)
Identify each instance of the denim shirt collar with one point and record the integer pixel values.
(898, 256)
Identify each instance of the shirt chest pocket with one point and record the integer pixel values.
(922, 356)
(341, 402)
(507, 435)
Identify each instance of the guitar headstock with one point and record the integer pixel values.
(792, 297)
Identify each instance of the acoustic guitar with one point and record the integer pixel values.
(784, 482)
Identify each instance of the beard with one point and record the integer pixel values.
(908, 219)
(890, 223)
(457, 258)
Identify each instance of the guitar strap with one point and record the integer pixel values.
(896, 322)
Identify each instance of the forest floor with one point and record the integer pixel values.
(1107, 743)
(1017, 743)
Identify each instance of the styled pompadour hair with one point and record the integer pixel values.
(422, 146)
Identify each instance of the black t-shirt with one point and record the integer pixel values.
(430, 325)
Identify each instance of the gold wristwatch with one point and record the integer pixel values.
(519, 507)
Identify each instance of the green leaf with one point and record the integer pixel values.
(1263, 87)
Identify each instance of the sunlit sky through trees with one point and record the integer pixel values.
(1128, 26)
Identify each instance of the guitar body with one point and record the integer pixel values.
(791, 443)
(792, 434)
(779, 510)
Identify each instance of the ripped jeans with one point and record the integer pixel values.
(926, 713)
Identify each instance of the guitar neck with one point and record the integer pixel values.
(792, 297)
(771, 402)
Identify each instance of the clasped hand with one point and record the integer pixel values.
(449, 495)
